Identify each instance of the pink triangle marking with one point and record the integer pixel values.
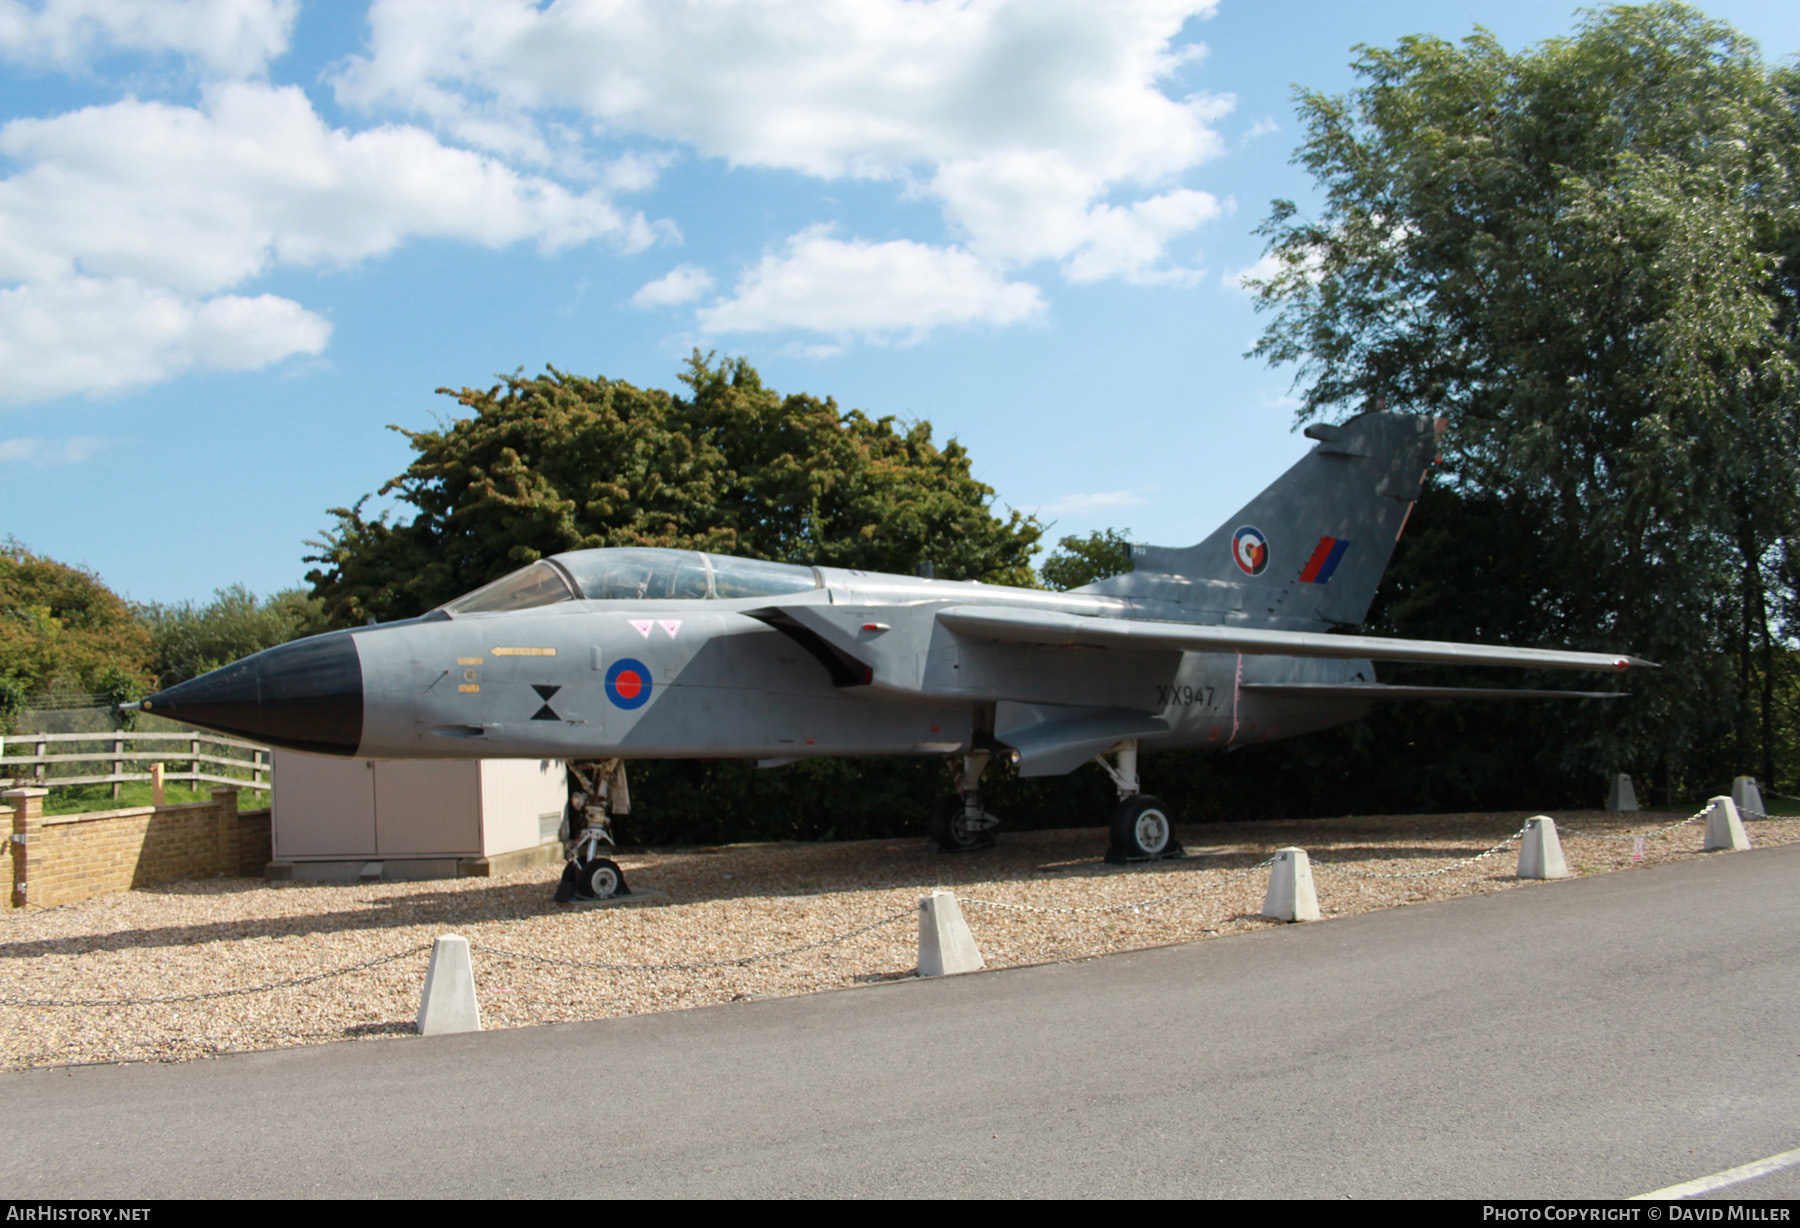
(642, 626)
(671, 626)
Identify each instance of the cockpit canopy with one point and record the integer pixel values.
(635, 574)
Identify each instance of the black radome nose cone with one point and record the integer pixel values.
(307, 695)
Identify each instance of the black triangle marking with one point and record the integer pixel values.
(545, 714)
(545, 692)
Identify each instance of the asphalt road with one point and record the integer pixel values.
(1583, 1039)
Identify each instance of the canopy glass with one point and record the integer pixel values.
(634, 574)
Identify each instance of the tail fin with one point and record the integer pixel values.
(1309, 551)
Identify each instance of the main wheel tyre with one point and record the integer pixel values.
(950, 829)
(1141, 830)
(600, 879)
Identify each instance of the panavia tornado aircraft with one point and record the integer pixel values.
(602, 656)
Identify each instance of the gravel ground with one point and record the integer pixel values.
(194, 969)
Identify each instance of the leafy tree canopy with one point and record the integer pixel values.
(1583, 255)
(560, 462)
(1082, 560)
(189, 640)
(59, 625)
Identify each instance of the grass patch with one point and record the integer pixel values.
(84, 799)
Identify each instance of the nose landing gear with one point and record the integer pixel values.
(597, 792)
(958, 823)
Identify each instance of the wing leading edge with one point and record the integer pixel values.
(1382, 690)
(1019, 626)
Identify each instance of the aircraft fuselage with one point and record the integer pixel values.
(860, 665)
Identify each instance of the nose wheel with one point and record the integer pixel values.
(593, 878)
(959, 824)
(597, 792)
(953, 830)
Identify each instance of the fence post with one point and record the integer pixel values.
(37, 769)
(118, 765)
(27, 817)
(194, 763)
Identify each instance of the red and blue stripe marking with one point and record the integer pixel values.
(1324, 561)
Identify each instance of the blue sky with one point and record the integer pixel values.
(240, 237)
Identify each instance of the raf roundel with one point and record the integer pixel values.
(628, 684)
(1250, 551)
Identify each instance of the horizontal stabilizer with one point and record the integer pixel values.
(1380, 690)
(1020, 626)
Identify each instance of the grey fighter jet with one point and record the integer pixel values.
(603, 656)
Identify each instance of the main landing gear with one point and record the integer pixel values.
(597, 792)
(1141, 829)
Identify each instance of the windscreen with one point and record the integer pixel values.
(536, 585)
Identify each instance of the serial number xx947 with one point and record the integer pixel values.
(1185, 696)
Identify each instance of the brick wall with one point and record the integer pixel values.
(68, 857)
(256, 847)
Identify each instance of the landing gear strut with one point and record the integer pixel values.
(1141, 829)
(599, 792)
(959, 824)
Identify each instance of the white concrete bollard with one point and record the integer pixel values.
(1747, 797)
(1540, 854)
(448, 1004)
(1290, 896)
(1724, 829)
(946, 946)
(1620, 795)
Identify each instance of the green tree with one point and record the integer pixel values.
(189, 640)
(1583, 256)
(59, 625)
(560, 462)
(1082, 560)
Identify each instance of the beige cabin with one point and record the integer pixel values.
(340, 819)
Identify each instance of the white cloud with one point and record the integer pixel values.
(1266, 266)
(1266, 126)
(227, 38)
(1032, 122)
(202, 198)
(42, 453)
(1128, 242)
(1082, 504)
(129, 223)
(682, 284)
(85, 334)
(896, 291)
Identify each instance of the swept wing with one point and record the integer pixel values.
(1052, 629)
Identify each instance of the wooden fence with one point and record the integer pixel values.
(204, 754)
